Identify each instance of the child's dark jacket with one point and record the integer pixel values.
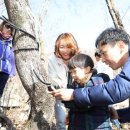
(89, 117)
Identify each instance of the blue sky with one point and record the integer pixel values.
(85, 19)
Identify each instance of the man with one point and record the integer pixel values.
(101, 67)
(113, 44)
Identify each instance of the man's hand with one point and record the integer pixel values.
(63, 94)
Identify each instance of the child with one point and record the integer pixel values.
(81, 117)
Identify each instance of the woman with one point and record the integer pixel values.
(7, 61)
(65, 48)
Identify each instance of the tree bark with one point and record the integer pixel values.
(115, 15)
(27, 60)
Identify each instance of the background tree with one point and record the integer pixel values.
(27, 60)
(42, 11)
(115, 15)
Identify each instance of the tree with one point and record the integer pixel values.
(115, 15)
(27, 60)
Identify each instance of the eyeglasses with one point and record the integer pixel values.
(8, 27)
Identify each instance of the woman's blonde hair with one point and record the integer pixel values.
(71, 43)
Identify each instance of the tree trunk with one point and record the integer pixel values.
(115, 15)
(27, 60)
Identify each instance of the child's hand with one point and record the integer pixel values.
(63, 94)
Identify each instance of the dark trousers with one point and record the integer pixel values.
(124, 115)
(3, 80)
